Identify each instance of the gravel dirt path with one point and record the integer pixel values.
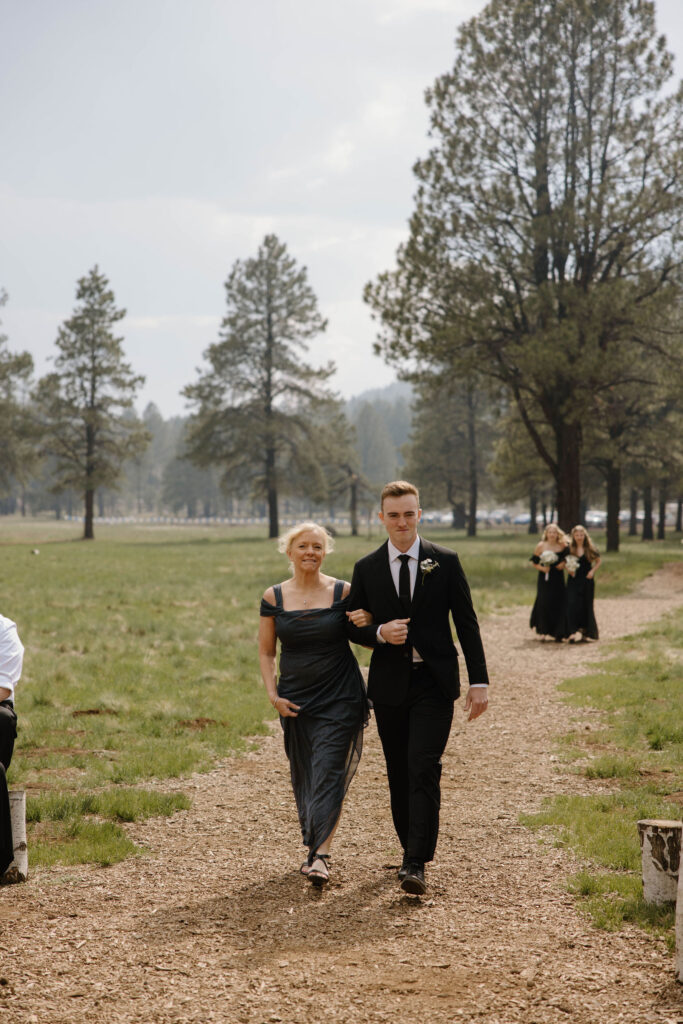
(216, 924)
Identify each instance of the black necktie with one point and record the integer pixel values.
(404, 584)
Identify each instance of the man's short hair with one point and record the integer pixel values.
(397, 489)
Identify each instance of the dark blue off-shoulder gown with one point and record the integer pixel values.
(324, 742)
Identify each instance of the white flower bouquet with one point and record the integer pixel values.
(572, 563)
(547, 559)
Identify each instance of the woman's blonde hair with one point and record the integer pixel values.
(286, 540)
(588, 546)
(554, 526)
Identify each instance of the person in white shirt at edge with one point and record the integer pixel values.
(11, 661)
(410, 586)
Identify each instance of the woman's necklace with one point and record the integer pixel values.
(308, 598)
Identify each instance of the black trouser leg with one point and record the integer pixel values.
(414, 737)
(8, 732)
(393, 726)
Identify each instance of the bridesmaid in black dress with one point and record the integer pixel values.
(320, 695)
(581, 587)
(549, 614)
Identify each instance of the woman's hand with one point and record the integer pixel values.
(285, 708)
(589, 574)
(360, 617)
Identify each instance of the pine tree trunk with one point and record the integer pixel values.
(88, 528)
(353, 508)
(661, 525)
(472, 438)
(633, 518)
(271, 492)
(568, 438)
(679, 515)
(533, 511)
(648, 532)
(88, 531)
(458, 517)
(613, 503)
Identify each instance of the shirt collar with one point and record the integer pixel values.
(413, 551)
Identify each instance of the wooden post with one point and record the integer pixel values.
(18, 869)
(660, 842)
(679, 929)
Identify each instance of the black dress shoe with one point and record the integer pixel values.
(414, 879)
(403, 870)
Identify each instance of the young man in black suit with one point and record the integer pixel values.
(410, 587)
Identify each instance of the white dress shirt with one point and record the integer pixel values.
(413, 554)
(11, 656)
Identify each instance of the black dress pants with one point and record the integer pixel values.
(414, 736)
(8, 732)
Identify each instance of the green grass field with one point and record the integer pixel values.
(635, 763)
(141, 656)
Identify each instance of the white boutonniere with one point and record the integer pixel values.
(428, 565)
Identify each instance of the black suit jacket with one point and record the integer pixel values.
(437, 594)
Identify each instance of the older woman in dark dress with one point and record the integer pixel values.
(320, 695)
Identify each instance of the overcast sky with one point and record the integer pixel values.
(161, 139)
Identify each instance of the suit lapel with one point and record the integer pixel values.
(426, 551)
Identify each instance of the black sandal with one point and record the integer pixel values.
(315, 875)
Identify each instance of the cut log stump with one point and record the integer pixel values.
(660, 843)
(18, 869)
(679, 929)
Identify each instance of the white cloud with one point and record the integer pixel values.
(389, 11)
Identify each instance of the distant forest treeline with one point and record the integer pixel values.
(163, 481)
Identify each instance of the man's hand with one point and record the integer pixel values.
(476, 701)
(395, 632)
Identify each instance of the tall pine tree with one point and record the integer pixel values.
(85, 403)
(545, 242)
(256, 403)
(17, 426)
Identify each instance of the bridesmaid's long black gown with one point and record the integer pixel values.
(580, 595)
(324, 742)
(549, 613)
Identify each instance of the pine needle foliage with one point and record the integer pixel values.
(256, 402)
(86, 404)
(545, 244)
